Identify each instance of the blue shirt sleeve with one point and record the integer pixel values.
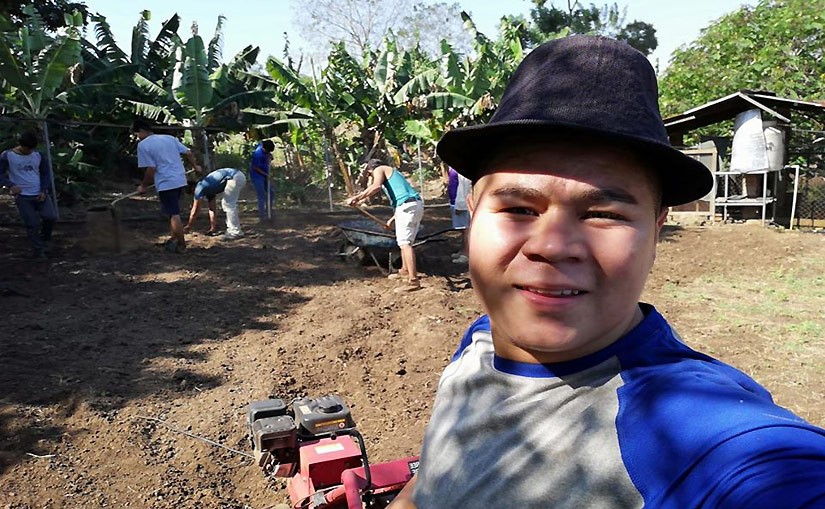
(261, 161)
(772, 467)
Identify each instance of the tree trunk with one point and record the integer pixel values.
(339, 158)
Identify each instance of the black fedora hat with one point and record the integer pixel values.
(596, 87)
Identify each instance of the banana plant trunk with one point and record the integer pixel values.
(207, 157)
(339, 158)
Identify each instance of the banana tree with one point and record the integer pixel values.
(35, 68)
(461, 90)
(203, 92)
(299, 103)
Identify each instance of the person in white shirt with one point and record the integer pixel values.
(160, 155)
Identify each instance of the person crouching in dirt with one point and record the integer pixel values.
(160, 155)
(26, 173)
(230, 182)
(569, 392)
(408, 210)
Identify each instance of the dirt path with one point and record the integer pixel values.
(96, 345)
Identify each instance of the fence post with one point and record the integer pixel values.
(795, 194)
(328, 172)
(51, 167)
(420, 173)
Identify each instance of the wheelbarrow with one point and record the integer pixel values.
(365, 240)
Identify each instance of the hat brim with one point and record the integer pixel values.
(467, 149)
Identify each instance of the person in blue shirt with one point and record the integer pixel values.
(230, 182)
(259, 174)
(570, 392)
(26, 173)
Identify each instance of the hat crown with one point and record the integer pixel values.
(594, 87)
(586, 81)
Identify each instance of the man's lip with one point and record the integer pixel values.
(553, 291)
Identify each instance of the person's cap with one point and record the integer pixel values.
(595, 87)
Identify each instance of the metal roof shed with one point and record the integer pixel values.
(779, 109)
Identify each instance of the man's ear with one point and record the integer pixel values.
(660, 221)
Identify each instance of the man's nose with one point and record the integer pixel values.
(556, 236)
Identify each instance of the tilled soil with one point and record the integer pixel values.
(107, 359)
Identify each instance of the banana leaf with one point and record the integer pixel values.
(195, 88)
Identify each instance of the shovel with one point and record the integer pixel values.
(106, 217)
(374, 218)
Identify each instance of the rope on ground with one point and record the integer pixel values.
(192, 435)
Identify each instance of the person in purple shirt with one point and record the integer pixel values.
(26, 173)
(458, 187)
(259, 174)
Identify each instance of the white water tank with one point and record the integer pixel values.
(774, 144)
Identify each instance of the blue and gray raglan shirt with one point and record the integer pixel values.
(646, 422)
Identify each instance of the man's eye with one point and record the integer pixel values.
(521, 211)
(603, 214)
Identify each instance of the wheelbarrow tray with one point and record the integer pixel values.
(373, 240)
(366, 235)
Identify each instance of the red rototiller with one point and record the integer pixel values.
(314, 443)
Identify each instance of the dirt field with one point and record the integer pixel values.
(96, 346)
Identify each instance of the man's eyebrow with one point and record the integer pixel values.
(517, 192)
(610, 194)
(596, 196)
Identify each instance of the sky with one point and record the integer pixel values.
(263, 22)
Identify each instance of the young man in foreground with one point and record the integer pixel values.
(160, 155)
(569, 392)
(230, 182)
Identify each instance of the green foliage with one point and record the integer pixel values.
(550, 22)
(776, 46)
(75, 180)
(51, 13)
(35, 66)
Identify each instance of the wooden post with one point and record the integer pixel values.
(51, 168)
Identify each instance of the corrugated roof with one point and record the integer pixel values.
(726, 108)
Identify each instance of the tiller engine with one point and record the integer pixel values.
(315, 443)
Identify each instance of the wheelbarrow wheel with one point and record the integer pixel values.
(351, 253)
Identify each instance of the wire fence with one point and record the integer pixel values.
(810, 212)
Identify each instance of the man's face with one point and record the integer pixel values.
(141, 134)
(562, 240)
(24, 150)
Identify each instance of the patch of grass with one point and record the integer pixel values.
(783, 306)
